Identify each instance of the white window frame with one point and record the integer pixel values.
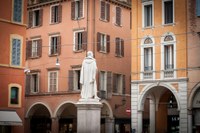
(74, 40)
(103, 19)
(103, 82)
(163, 13)
(152, 45)
(51, 13)
(49, 80)
(143, 19)
(164, 43)
(31, 83)
(36, 47)
(57, 35)
(33, 21)
(103, 43)
(77, 18)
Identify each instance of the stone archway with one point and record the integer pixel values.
(39, 118)
(66, 116)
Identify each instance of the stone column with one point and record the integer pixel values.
(152, 116)
(54, 125)
(140, 122)
(109, 124)
(88, 116)
(189, 121)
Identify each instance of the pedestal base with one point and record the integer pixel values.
(88, 116)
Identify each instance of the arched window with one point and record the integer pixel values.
(148, 55)
(169, 52)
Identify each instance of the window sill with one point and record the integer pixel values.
(169, 24)
(118, 25)
(33, 27)
(77, 19)
(78, 51)
(53, 55)
(148, 27)
(103, 52)
(36, 57)
(54, 23)
(119, 56)
(103, 20)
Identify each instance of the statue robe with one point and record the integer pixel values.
(88, 78)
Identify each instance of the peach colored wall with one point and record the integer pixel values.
(68, 58)
(179, 29)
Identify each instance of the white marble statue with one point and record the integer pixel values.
(88, 77)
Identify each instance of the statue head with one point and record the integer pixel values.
(90, 54)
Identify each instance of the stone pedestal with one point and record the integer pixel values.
(88, 116)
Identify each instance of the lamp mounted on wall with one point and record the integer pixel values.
(57, 62)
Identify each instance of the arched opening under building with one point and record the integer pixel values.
(40, 119)
(160, 111)
(67, 118)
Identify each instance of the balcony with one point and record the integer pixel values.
(169, 71)
(148, 73)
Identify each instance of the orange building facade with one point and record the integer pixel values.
(159, 82)
(59, 35)
(12, 63)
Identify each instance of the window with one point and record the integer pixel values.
(80, 40)
(34, 83)
(198, 8)
(119, 83)
(168, 11)
(17, 11)
(147, 14)
(74, 80)
(55, 45)
(105, 11)
(35, 18)
(103, 80)
(118, 16)
(56, 14)
(76, 9)
(14, 98)
(53, 81)
(34, 48)
(119, 49)
(103, 43)
(16, 52)
(148, 58)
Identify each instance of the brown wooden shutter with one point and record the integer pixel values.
(40, 17)
(118, 16)
(81, 8)
(28, 49)
(30, 21)
(108, 44)
(108, 12)
(122, 47)
(117, 42)
(52, 14)
(124, 85)
(59, 13)
(114, 83)
(28, 84)
(39, 49)
(59, 44)
(103, 10)
(70, 80)
(73, 10)
(98, 41)
(84, 40)
(76, 41)
(109, 85)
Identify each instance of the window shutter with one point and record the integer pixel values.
(59, 13)
(76, 41)
(84, 40)
(52, 14)
(198, 8)
(59, 44)
(108, 43)
(109, 85)
(30, 21)
(28, 49)
(70, 80)
(102, 10)
(73, 10)
(39, 48)
(122, 47)
(81, 8)
(114, 83)
(98, 41)
(118, 16)
(40, 17)
(108, 12)
(28, 84)
(124, 85)
(117, 41)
